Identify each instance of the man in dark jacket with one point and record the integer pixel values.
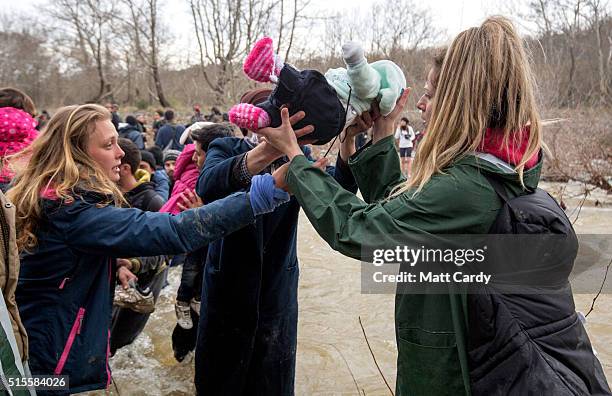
(158, 177)
(247, 335)
(115, 118)
(134, 305)
(168, 135)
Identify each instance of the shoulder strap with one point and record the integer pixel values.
(169, 145)
(497, 186)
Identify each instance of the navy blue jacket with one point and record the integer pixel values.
(247, 332)
(66, 284)
(168, 136)
(132, 133)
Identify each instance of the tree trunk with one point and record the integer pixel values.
(570, 93)
(101, 79)
(130, 97)
(158, 88)
(603, 78)
(154, 56)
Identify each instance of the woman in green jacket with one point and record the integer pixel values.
(482, 119)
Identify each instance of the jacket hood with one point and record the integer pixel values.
(142, 176)
(531, 177)
(508, 156)
(127, 127)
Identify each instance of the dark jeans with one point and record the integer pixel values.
(191, 279)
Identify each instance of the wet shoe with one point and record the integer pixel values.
(141, 301)
(183, 315)
(195, 305)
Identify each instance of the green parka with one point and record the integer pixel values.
(430, 328)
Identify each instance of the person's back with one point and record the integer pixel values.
(237, 312)
(169, 134)
(131, 132)
(144, 196)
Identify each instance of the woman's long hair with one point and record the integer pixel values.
(59, 167)
(485, 82)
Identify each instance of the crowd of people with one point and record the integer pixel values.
(94, 214)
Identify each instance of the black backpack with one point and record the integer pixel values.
(530, 343)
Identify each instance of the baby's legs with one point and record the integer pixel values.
(262, 64)
(248, 116)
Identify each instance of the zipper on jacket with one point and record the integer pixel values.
(76, 329)
(109, 376)
(6, 237)
(61, 286)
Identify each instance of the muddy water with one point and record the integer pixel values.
(333, 356)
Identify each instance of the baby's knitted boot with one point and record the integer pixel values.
(247, 116)
(262, 64)
(353, 54)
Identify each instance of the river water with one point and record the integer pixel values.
(333, 356)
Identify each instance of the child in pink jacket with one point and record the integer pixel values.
(186, 173)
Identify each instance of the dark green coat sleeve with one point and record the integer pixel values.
(447, 204)
(377, 169)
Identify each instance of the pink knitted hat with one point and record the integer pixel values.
(17, 131)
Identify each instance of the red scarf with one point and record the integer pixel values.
(493, 143)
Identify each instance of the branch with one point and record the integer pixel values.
(374, 357)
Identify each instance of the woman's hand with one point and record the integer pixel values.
(124, 276)
(280, 174)
(385, 125)
(190, 200)
(284, 138)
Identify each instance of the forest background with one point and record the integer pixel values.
(126, 51)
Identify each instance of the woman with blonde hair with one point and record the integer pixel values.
(71, 227)
(482, 124)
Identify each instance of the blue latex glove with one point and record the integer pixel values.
(264, 196)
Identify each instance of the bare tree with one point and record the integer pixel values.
(225, 29)
(88, 25)
(24, 61)
(400, 24)
(290, 16)
(563, 25)
(596, 20)
(144, 27)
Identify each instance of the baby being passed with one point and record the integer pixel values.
(330, 101)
